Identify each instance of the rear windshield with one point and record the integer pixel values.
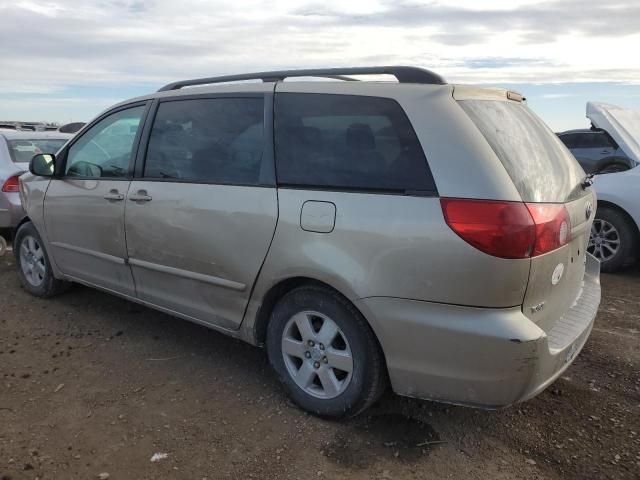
(22, 150)
(541, 167)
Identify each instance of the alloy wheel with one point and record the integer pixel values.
(317, 354)
(32, 261)
(604, 241)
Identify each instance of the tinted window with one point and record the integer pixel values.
(600, 140)
(349, 142)
(22, 150)
(105, 149)
(541, 168)
(587, 140)
(215, 140)
(571, 140)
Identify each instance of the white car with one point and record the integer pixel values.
(615, 234)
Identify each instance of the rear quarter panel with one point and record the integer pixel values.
(386, 246)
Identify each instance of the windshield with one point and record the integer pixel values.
(541, 167)
(22, 150)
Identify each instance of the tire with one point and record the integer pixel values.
(613, 239)
(34, 268)
(325, 387)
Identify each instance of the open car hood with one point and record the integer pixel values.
(621, 123)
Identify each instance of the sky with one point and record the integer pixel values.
(67, 60)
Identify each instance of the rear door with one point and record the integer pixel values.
(545, 174)
(84, 205)
(201, 213)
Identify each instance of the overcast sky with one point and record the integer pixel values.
(66, 60)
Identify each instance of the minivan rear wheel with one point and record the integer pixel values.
(34, 268)
(325, 353)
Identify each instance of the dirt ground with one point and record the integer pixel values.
(92, 386)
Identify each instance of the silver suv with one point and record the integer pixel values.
(429, 235)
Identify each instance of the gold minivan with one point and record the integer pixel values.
(414, 233)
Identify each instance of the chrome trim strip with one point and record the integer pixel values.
(93, 253)
(200, 277)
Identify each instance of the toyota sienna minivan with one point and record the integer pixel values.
(417, 234)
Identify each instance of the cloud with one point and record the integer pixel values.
(56, 45)
(545, 21)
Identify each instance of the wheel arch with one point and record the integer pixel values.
(609, 161)
(24, 220)
(618, 208)
(279, 290)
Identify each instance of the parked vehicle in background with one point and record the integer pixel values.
(615, 234)
(73, 127)
(348, 226)
(16, 150)
(596, 151)
(615, 240)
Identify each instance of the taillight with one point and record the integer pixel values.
(12, 184)
(553, 226)
(508, 229)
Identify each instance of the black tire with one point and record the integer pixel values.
(49, 285)
(627, 235)
(368, 378)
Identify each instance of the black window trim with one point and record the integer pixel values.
(366, 190)
(370, 190)
(267, 159)
(61, 165)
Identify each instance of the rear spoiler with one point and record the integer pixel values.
(468, 92)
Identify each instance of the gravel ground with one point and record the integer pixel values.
(93, 387)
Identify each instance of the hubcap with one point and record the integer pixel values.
(32, 261)
(604, 241)
(317, 354)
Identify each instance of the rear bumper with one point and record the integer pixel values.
(481, 357)
(11, 211)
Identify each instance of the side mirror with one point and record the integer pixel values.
(43, 164)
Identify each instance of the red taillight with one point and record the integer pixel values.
(553, 226)
(508, 229)
(12, 184)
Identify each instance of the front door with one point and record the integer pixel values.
(200, 219)
(84, 208)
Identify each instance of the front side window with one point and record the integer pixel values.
(209, 140)
(105, 150)
(347, 142)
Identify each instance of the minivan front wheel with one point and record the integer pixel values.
(34, 269)
(325, 353)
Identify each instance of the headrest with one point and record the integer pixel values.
(360, 137)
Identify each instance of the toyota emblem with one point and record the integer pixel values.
(588, 211)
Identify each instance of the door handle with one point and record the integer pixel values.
(140, 196)
(114, 195)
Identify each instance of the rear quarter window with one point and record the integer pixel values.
(540, 166)
(347, 142)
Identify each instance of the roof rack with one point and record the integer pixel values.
(403, 74)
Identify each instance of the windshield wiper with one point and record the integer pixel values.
(587, 181)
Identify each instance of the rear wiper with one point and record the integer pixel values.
(587, 181)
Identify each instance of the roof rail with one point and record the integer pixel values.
(403, 74)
